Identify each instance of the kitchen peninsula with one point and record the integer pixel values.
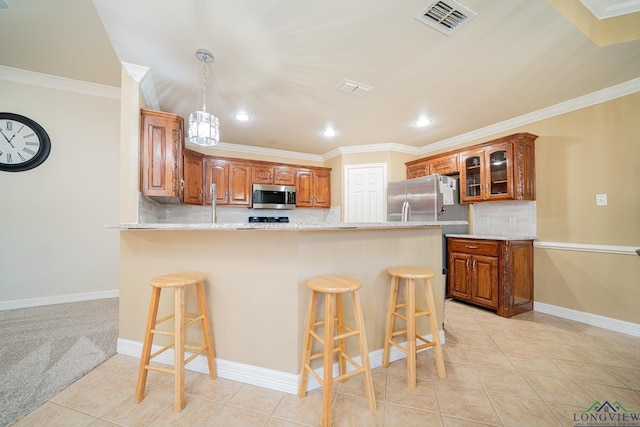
(256, 283)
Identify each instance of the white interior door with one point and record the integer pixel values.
(365, 189)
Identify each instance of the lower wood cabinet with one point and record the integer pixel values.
(496, 274)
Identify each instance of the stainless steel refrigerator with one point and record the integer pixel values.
(429, 198)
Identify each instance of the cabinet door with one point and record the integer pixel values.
(216, 172)
(471, 176)
(417, 170)
(262, 174)
(498, 172)
(322, 189)
(161, 154)
(192, 177)
(484, 280)
(304, 188)
(444, 165)
(284, 175)
(240, 184)
(459, 264)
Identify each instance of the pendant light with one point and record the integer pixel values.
(203, 126)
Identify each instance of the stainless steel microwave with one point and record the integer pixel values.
(274, 196)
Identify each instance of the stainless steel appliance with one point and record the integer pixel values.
(253, 219)
(273, 197)
(429, 198)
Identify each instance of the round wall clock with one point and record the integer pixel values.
(24, 144)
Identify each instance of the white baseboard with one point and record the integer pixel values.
(58, 299)
(616, 325)
(255, 375)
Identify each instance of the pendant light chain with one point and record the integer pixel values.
(204, 85)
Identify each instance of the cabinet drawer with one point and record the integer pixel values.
(474, 246)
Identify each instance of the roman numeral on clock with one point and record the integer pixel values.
(28, 151)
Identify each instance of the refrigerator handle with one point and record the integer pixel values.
(406, 212)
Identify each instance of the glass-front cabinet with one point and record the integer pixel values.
(471, 176)
(499, 172)
(487, 174)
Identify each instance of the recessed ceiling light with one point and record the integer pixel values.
(242, 116)
(329, 132)
(422, 122)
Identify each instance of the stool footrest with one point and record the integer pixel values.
(162, 350)
(159, 369)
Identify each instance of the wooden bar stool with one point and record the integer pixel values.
(410, 315)
(181, 321)
(335, 330)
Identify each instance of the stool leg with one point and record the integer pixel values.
(327, 380)
(206, 330)
(411, 333)
(364, 351)
(178, 349)
(435, 332)
(342, 343)
(308, 344)
(390, 324)
(146, 347)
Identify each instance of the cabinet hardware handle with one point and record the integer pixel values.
(471, 247)
(474, 265)
(467, 266)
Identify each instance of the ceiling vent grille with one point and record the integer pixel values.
(353, 88)
(445, 16)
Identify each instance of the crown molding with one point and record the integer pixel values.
(33, 78)
(142, 75)
(260, 150)
(598, 97)
(603, 9)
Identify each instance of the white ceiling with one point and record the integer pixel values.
(281, 60)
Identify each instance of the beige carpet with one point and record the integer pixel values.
(45, 349)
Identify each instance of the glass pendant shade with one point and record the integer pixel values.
(203, 126)
(203, 129)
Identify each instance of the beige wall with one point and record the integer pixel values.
(53, 238)
(256, 283)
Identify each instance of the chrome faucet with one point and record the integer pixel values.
(214, 196)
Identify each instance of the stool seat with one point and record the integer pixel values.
(411, 272)
(334, 284)
(408, 312)
(178, 282)
(335, 330)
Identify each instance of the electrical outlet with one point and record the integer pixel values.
(601, 199)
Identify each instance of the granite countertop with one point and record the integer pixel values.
(292, 226)
(491, 237)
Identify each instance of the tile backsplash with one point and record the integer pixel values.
(513, 218)
(151, 212)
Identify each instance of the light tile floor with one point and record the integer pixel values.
(531, 370)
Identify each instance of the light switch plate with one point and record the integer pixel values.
(601, 200)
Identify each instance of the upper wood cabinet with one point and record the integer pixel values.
(270, 174)
(232, 179)
(444, 164)
(239, 184)
(161, 140)
(192, 177)
(170, 173)
(313, 187)
(503, 169)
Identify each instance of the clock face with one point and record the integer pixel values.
(24, 144)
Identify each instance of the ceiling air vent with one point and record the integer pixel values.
(353, 88)
(445, 16)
